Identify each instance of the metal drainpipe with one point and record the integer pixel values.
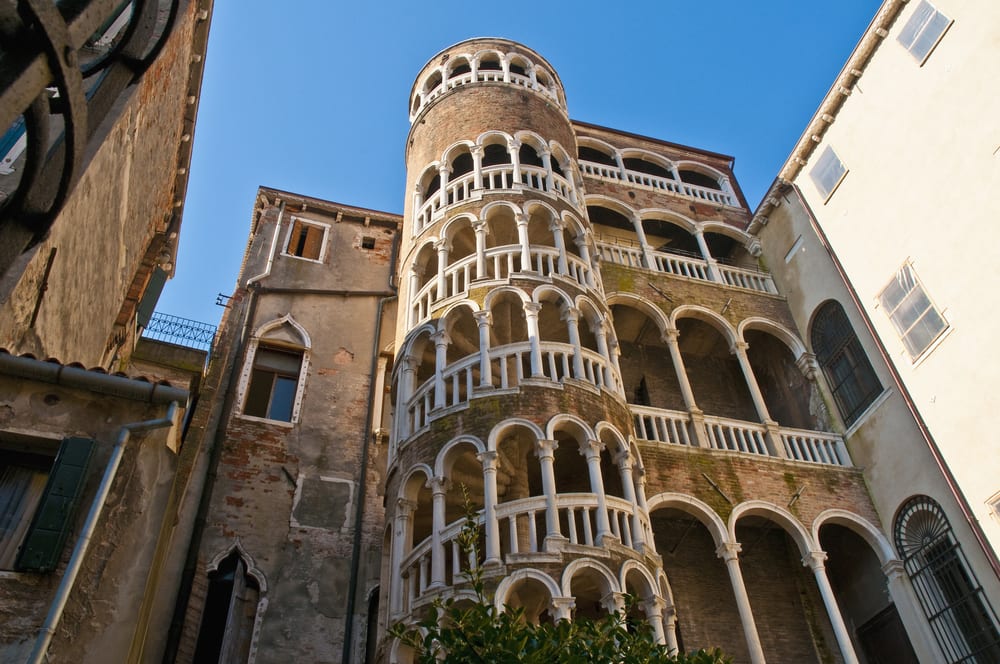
(47, 630)
(359, 512)
(274, 247)
(925, 433)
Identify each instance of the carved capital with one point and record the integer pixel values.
(807, 365)
(729, 551)
(490, 460)
(483, 318)
(546, 448)
(591, 449)
(814, 560)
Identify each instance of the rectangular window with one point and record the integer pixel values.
(38, 499)
(923, 31)
(911, 311)
(274, 381)
(828, 172)
(305, 240)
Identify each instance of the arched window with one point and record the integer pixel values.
(962, 620)
(844, 363)
(231, 608)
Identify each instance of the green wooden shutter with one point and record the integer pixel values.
(54, 517)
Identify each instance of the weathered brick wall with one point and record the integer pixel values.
(102, 235)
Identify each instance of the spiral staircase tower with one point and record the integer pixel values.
(507, 386)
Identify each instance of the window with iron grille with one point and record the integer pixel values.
(845, 365)
(911, 311)
(962, 620)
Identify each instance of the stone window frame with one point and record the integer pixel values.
(250, 569)
(907, 276)
(298, 221)
(303, 345)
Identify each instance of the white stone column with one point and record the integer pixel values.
(640, 495)
(438, 487)
(713, 270)
(814, 560)
(562, 608)
(441, 341)
(601, 337)
(621, 166)
(581, 245)
(545, 451)
(414, 282)
(443, 171)
(556, 226)
(407, 379)
(546, 158)
(515, 160)
(911, 614)
(484, 321)
(739, 349)
(653, 608)
(729, 552)
(522, 238)
(491, 525)
(697, 415)
(625, 461)
(477, 166)
(481, 229)
(647, 251)
(531, 310)
(400, 533)
(670, 631)
(443, 246)
(418, 198)
(591, 450)
(572, 317)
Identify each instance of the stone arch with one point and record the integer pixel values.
(569, 423)
(550, 293)
(600, 146)
(791, 525)
(442, 464)
(414, 336)
(605, 431)
(634, 567)
(251, 565)
(600, 200)
(860, 526)
(505, 586)
(781, 332)
(581, 564)
(456, 148)
(647, 155)
(694, 507)
(488, 55)
(704, 169)
(410, 485)
(296, 335)
(456, 62)
(641, 304)
(707, 316)
(495, 293)
(669, 216)
(503, 428)
(494, 137)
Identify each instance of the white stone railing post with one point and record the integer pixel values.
(729, 552)
(814, 560)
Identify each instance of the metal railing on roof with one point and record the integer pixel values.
(180, 331)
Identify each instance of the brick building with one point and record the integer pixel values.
(571, 325)
(97, 108)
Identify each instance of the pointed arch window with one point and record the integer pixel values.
(964, 624)
(273, 378)
(232, 607)
(845, 365)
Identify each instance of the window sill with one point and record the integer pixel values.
(867, 412)
(264, 420)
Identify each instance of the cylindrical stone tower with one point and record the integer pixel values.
(506, 384)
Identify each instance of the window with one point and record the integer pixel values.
(923, 31)
(828, 172)
(961, 618)
(273, 383)
(844, 363)
(305, 240)
(367, 242)
(912, 313)
(38, 499)
(231, 607)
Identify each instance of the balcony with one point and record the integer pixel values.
(510, 367)
(673, 427)
(521, 525)
(630, 254)
(494, 178)
(179, 331)
(648, 181)
(499, 264)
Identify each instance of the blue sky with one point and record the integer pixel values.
(311, 96)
